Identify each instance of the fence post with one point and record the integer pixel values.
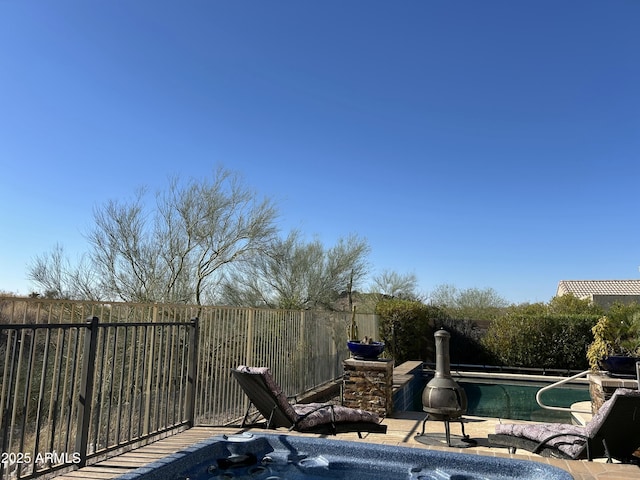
(249, 333)
(7, 393)
(192, 375)
(86, 389)
(151, 349)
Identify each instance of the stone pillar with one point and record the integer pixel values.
(601, 387)
(368, 385)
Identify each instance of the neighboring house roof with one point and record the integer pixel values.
(588, 288)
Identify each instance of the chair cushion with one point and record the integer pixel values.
(539, 432)
(567, 444)
(312, 414)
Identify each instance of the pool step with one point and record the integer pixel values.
(581, 418)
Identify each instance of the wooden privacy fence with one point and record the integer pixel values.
(82, 380)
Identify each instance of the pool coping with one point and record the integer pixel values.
(549, 379)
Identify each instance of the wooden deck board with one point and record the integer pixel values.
(126, 462)
(97, 473)
(104, 470)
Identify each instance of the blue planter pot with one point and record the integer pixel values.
(620, 365)
(365, 351)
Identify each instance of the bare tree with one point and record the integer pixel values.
(294, 274)
(59, 278)
(395, 285)
(174, 250)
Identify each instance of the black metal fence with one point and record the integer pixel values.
(71, 392)
(76, 387)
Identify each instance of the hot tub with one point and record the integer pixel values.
(276, 457)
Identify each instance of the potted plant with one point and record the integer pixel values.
(616, 341)
(366, 349)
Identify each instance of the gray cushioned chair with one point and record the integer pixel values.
(277, 411)
(613, 432)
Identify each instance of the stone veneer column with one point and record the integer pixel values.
(601, 387)
(368, 384)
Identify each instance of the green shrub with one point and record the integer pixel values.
(541, 341)
(569, 304)
(407, 328)
(466, 346)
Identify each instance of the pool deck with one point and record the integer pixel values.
(402, 430)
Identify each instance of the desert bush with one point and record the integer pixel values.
(544, 341)
(407, 328)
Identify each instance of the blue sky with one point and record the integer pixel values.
(475, 143)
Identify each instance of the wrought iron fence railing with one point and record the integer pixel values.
(71, 392)
(81, 380)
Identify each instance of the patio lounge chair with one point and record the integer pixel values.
(273, 405)
(613, 432)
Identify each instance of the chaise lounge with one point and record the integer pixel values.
(273, 405)
(612, 433)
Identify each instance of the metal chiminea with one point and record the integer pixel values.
(443, 399)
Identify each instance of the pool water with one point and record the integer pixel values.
(516, 400)
(278, 457)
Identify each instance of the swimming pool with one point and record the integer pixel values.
(514, 396)
(276, 457)
(518, 401)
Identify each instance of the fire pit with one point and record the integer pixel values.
(443, 399)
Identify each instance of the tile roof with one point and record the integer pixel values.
(586, 288)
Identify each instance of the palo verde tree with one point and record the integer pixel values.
(173, 250)
(391, 284)
(294, 274)
(57, 277)
(468, 304)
